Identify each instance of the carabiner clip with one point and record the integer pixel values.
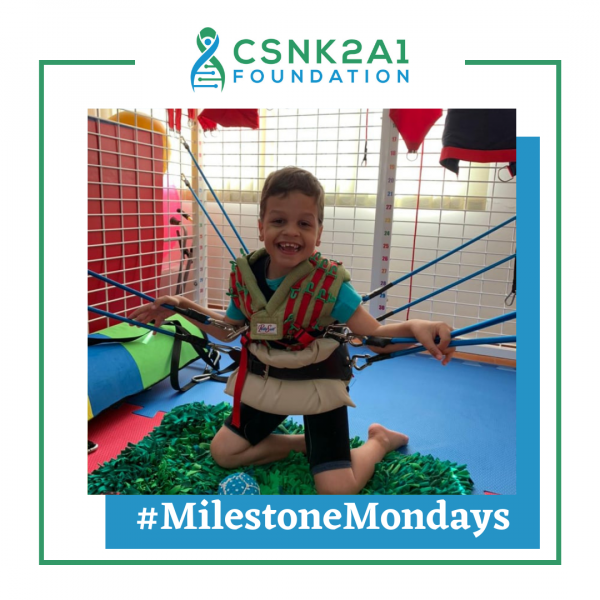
(355, 361)
(235, 332)
(201, 378)
(221, 325)
(339, 332)
(224, 349)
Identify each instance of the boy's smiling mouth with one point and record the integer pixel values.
(288, 247)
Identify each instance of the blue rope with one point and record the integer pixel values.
(488, 323)
(506, 339)
(458, 332)
(127, 289)
(187, 312)
(207, 215)
(215, 196)
(435, 260)
(447, 287)
(130, 321)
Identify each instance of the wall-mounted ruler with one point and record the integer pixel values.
(384, 215)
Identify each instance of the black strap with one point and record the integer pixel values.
(337, 366)
(95, 341)
(210, 357)
(200, 345)
(259, 268)
(514, 285)
(218, 376)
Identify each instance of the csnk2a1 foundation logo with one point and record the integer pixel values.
(207, 42)
(370, 63)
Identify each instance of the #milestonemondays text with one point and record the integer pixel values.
(210, 516)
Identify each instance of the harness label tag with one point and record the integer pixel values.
(266, 328)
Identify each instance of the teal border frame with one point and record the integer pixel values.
(556, 561)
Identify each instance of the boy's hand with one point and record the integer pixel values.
(426, 332)
(155, 311)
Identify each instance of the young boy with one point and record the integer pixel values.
(288, 362)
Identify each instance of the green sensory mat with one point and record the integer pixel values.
(175, 459)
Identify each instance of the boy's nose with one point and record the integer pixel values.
(291, 229)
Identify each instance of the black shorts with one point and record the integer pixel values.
(327, 435)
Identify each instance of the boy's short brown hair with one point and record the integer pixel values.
(293, 179)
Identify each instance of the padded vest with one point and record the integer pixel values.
(301, 305)
(286, 329)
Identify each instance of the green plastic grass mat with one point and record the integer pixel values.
(175, 459)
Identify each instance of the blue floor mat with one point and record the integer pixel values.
(464, 412)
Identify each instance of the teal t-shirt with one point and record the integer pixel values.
(347, 302)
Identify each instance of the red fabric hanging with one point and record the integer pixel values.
(231, 117)
(206, 124)
(414, 124)
(174, 118)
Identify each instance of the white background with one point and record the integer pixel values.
(161, 39)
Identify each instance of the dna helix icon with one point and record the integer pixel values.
(208, 42)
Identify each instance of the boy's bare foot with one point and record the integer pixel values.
(388, 439)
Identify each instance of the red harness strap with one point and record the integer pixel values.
(233, 292)
(288, 315)
(248, 299)
(289, 319)
(308, 294)
(237, 287)
(239, 383)
(292, 324)
(300, 334)
(323, 297)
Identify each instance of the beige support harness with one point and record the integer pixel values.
(285, 333)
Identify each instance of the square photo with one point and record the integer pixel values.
(301, 302)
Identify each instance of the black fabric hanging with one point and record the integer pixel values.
(480, 135)
(510, 299)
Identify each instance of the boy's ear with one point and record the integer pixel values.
(261, 233)
(319, 236)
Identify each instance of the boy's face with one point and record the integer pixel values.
(290, 231)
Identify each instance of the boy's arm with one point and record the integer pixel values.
(158, 313)
(362, 323)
